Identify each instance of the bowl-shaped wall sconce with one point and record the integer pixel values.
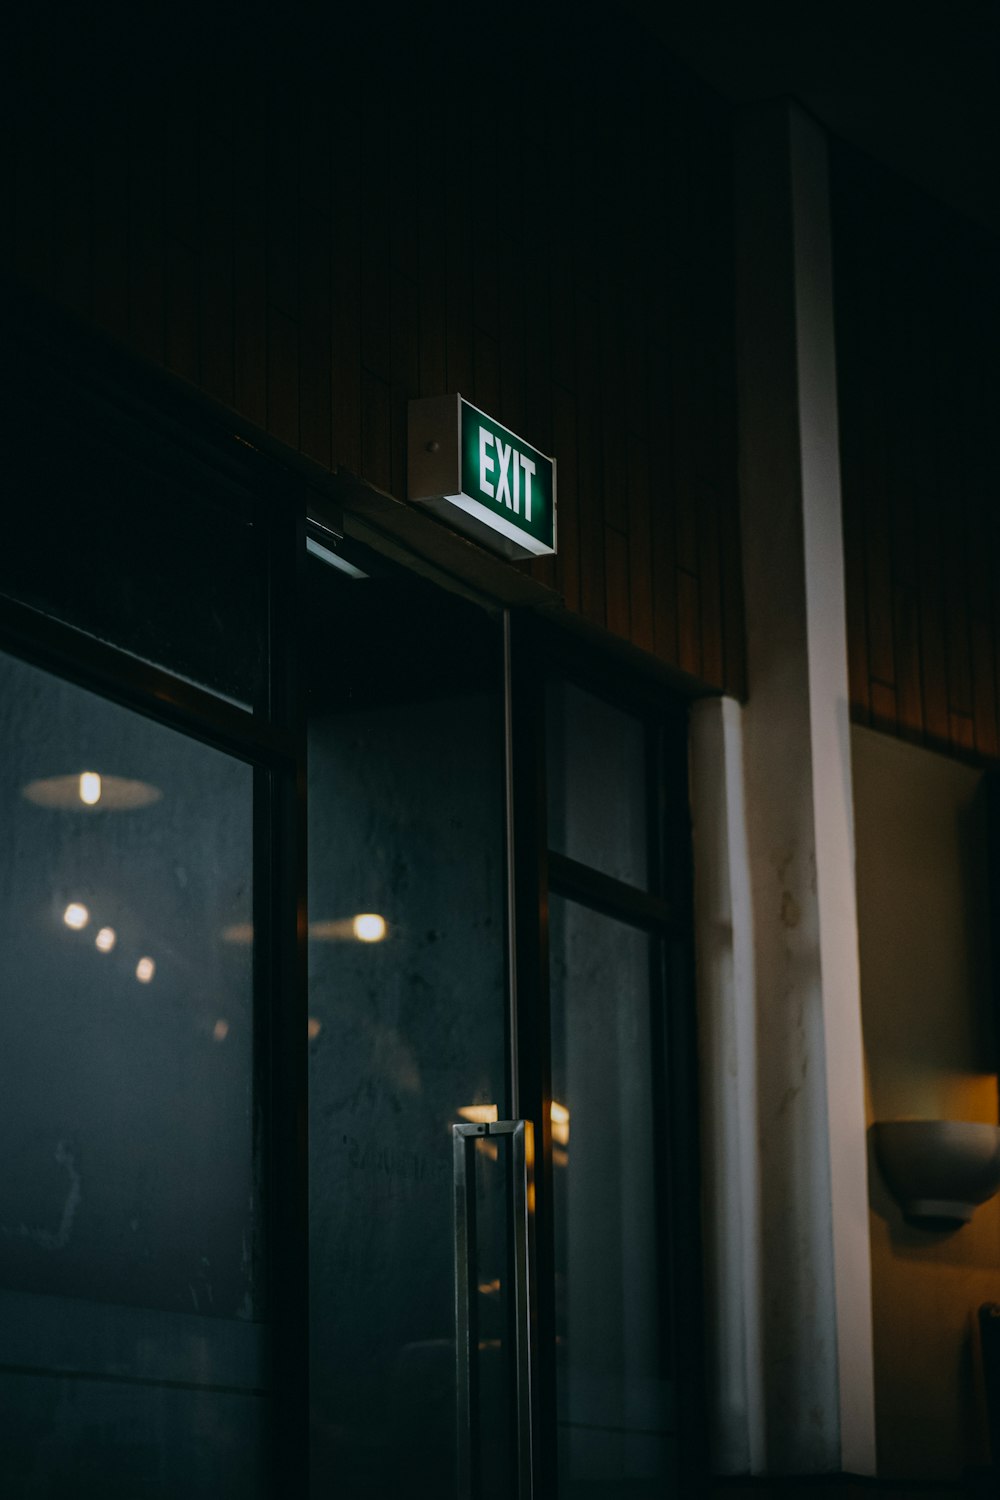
(939, 1171)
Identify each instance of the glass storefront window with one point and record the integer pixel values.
(129, 1212)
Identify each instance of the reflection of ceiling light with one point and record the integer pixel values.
(144, 970)
(330, 932)
(88, 789)
(76, 916)
(106, 939)
(559, 1115)
(315, 1027)
(239, 932)
(220, 1030)
(366, 927)
(479, 1114)
(369, 927)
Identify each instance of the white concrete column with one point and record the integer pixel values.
(727, 1046)
(804, 1200)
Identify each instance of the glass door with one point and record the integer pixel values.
(415, 1178)
(469, 1339)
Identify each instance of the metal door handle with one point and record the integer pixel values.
(466, 1340)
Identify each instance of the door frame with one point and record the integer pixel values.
(538, 651)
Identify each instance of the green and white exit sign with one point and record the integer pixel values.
(482, 478)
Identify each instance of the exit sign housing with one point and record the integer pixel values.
(481, 478)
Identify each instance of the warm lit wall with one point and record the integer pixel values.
(923, 916)
(317, 218)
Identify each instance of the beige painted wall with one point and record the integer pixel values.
(923, 921)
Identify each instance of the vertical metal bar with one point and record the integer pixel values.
(523, 1163)
(508, 738)
(528, 678)
(463, 1137)
(522, 1140)
(281, 926)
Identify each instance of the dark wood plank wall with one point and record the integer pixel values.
(315, 226)
(918, 324)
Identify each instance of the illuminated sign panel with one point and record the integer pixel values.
(482, 478)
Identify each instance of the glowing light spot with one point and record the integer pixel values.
(90, 787)
(76, 916)
(105, 940)
(315, 1027)
(220, 1030)
(478, 1114)
(559, 1115)
(369, 927)
(366, 927)
(144, 970)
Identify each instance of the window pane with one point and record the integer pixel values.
(128, 1215)
(125, 1027)
(597, 784)
(614, 1397)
